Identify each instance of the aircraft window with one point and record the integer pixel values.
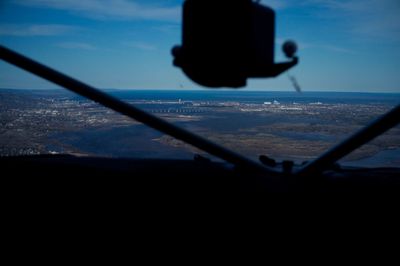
(129, 46)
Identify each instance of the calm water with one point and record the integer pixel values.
(386, 158)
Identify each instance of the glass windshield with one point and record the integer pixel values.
(123, 48)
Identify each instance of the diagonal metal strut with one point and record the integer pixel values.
(365, 135)
(131, 111)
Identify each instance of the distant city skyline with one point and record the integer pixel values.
(344, 45)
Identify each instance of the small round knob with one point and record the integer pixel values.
(289, 48)
(176, 50)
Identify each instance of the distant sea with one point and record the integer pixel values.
(261, 96)
(242, 95)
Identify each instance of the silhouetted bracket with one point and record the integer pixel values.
(226, 42)
(275, 70)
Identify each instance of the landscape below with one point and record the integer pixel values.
(281, 125)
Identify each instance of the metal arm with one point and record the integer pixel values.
(363, 136)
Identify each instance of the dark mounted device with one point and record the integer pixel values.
(226, 42)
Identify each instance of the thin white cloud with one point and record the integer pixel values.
(26, 30)
(168, 28)
(307, 45)
(141, 45)
(109, 9)
(334, 48)
(76, 45)
(277, 4)
(368, 18)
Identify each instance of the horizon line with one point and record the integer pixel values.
(208, 90)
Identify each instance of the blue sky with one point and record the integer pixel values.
(344, 45)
